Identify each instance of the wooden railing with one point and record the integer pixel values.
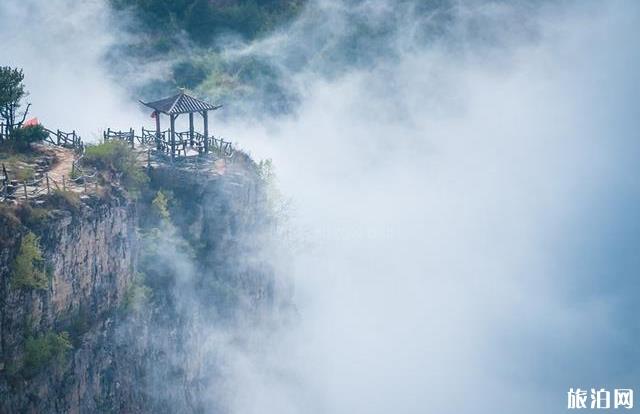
(35, 188)
(45, 185)
(64, 139)
(58, 137)
(128, 136)
(162, 141)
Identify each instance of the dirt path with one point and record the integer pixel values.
(64, 163)
(61, 170)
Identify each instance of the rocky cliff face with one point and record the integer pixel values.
(89, 253)
(119, 326)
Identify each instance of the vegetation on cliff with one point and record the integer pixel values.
(118, 159)
(21, 139)
(190, 239)
(28, 267)
(43, 350)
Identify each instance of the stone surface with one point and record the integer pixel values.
(119, 361)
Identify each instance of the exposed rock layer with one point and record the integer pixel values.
(92, 259)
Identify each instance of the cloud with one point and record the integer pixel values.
(467, 196)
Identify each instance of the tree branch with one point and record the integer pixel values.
(24, 116)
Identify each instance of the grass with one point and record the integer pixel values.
(64, 200)
(25, 173)
(17, 165)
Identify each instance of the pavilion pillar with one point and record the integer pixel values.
(191, 128)
(172, 117)
(205, 119)
(157, 129)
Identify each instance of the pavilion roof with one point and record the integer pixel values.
(180, 104)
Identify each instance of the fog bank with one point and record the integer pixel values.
(469, 203)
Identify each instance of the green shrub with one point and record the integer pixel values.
(28, 268)
(109, 155)
(22, 138)
(43, 350)
(117, 157)
(160, 206)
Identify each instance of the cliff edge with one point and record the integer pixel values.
(103, 297)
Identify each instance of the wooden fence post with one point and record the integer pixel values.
(5, 180)
(58, 136)
(64, 184)
(46, 176)
(24, 185)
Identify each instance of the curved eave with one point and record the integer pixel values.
(178, 112)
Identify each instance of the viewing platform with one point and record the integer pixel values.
(190, 150)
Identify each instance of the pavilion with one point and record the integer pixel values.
(177, 105)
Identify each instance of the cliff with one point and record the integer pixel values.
(132, 288)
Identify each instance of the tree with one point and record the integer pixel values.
(11, 93)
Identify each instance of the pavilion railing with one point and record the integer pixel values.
(149, 136)
(128, 136)
(183, 141)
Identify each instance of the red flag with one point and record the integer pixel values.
(154, 114)
(31, 122)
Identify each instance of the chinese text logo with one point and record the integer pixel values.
(599, 399)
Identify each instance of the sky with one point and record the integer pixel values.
(464, 197)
